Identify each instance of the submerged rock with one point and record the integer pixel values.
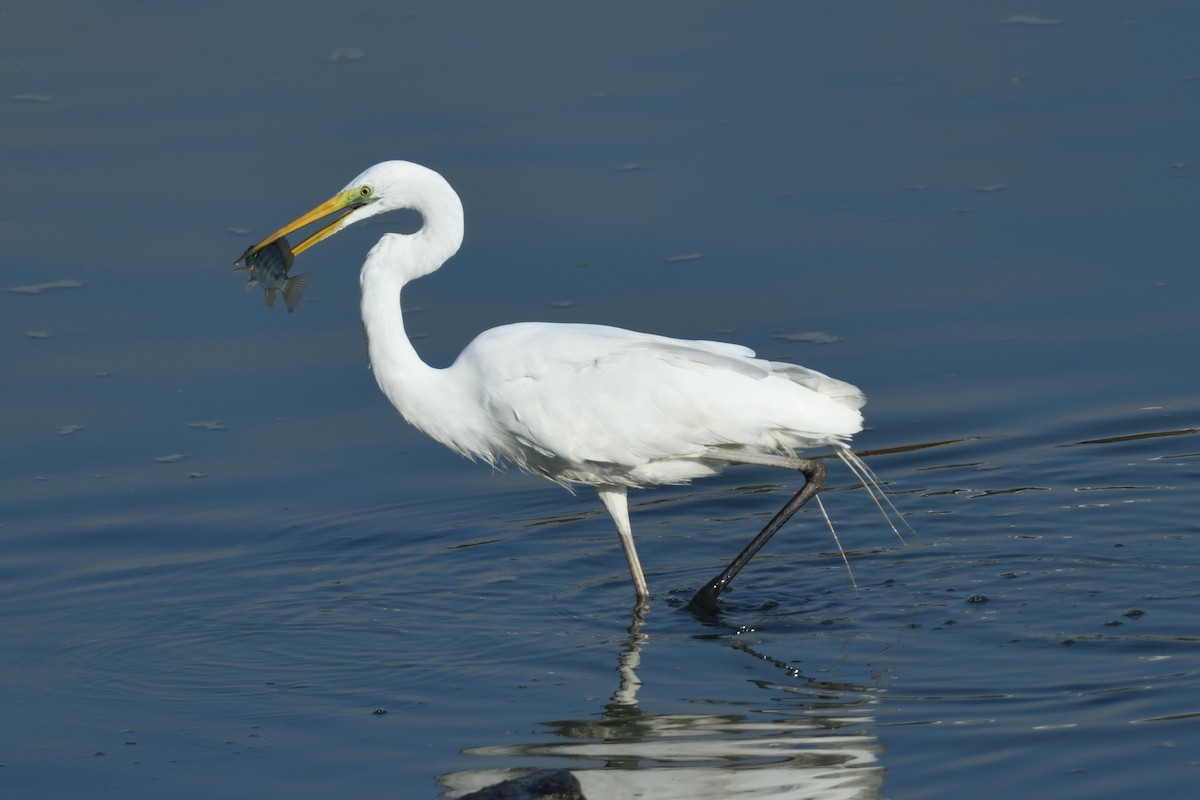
(546, 784)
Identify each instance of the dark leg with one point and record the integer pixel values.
(814, 479)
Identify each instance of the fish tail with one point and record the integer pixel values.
(293, 287)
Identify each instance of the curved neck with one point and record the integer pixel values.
(401, 373)
(430, 399)
(427, 397)
(395, 260)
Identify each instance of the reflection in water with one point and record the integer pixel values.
(626, 753)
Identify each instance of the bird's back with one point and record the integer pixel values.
(599, 404)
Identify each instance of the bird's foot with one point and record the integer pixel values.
(704, 602)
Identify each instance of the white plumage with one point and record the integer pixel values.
(580, 403)
(601, 405)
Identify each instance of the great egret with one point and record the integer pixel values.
(583, 403)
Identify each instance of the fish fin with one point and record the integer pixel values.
(250, 283)
(285, 250)
(269, 298)
(292, 289)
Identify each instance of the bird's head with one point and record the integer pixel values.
(384, 187)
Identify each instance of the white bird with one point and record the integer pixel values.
(577, 403)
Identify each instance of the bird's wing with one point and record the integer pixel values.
(593, 394)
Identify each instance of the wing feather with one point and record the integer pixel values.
(589, 394)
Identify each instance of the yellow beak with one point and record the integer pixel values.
(342, 201)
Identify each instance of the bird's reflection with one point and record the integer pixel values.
(819, 754)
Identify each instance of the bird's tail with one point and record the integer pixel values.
(870, 482)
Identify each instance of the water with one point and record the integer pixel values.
(230, 569)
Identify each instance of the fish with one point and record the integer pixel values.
(269, 269)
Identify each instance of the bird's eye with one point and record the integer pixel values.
(364, 191)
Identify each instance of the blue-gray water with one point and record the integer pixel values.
(221, 551)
